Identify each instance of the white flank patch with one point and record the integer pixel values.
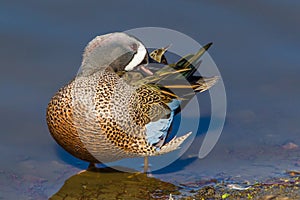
(137, 58)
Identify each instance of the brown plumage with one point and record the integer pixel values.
(102, 116)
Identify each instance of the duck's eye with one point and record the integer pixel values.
(134, 47)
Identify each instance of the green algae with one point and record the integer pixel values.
(283, 188)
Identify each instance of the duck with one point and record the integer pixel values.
(122, 102)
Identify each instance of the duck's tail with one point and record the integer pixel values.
(173, 144)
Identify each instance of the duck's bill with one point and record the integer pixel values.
(145, 70)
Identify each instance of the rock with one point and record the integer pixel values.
(290, 146)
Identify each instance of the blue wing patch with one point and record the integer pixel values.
(157, 131)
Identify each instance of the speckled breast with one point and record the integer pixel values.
(96, 118)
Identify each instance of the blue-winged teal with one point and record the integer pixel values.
(116, 107)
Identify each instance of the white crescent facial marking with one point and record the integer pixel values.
(137, 58)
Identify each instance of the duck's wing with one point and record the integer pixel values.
(184, 68)
(158, 97)
(179, 79)
(155, 111)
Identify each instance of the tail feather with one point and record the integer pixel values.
(173, 144)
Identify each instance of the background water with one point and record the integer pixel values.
(256, 47)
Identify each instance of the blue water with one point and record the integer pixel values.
(256, 48)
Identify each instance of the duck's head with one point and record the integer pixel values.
(115, 51)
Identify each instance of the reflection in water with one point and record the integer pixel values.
(107, 183)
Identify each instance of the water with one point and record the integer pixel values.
(256, 48)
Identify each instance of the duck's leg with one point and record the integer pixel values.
(146, 164)
(91, 167)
